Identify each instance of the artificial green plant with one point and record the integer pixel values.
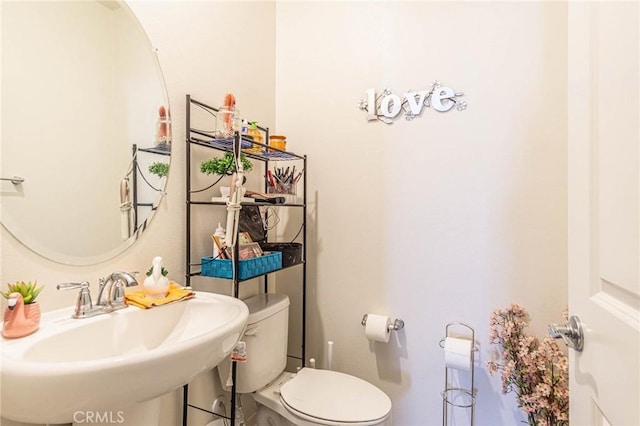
(29, 291)
(159, 169)
(225, 165)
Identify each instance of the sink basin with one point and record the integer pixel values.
(111, 361)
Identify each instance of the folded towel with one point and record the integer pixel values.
(175, 294)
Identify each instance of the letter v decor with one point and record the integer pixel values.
(387, 105)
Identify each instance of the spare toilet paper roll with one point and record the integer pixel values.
(377, 328)
(457, 353)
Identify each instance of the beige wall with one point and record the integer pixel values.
(440, 219)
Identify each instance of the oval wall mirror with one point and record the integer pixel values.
(85, 122)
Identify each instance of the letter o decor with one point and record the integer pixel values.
(387, 106)
(390, 105)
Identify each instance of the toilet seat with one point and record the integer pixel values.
(334, 398)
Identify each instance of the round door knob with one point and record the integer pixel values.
(571, 333)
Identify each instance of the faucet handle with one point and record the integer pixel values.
(73, 286)
(117, 295)
(124, 279)
(84, 305)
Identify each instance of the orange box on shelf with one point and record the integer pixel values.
(278, 142)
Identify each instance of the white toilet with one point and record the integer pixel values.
(310, 397)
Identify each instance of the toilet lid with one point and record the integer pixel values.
(334, 397)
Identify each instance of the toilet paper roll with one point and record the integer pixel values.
(377, 328)
(457, 353)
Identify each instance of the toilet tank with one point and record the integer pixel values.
(266, 339)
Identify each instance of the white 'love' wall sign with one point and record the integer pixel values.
(387, 105)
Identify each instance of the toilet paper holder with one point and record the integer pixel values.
(452, 394)
(395, 326)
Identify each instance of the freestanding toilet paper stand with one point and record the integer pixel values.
(458, 396)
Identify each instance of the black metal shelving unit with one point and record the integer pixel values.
(195, 137)
(135, 169)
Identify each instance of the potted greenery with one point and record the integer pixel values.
(159, 169)
(225, 165)
(22, 316)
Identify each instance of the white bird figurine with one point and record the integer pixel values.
(20, 320)
(156, 285)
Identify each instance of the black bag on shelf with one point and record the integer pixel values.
(250, 221)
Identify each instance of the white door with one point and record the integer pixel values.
(604, 215)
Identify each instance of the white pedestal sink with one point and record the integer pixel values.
(111, 361)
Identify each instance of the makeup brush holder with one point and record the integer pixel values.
(288, 188)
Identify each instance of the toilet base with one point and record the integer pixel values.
(267, 417)
(271, 411)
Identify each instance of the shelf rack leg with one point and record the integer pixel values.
(185, 401)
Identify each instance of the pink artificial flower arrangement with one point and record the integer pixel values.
(537, 371)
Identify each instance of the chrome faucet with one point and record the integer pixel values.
(110, 297)
(111, 290)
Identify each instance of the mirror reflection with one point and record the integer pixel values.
(86, 123)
